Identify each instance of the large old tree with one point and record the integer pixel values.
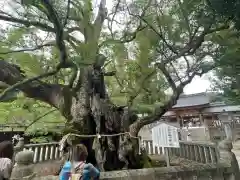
(79, 47)
(228, 73)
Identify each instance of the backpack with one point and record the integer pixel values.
(77, 172)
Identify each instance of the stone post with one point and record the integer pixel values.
(19, 147)
(201, 119)
(23, 169)
(228, 157)
(228, 131)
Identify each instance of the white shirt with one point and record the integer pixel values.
(5, 168)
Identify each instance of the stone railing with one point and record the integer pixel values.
(200, 152)
(195, 151)
(41, 152)
(224, 169)
(148, 144)
(44, 151)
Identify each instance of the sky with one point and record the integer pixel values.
(198, 85)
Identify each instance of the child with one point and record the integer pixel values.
(78, 165)
(6, 155)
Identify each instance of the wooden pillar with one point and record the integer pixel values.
(179, 120)
(201, 118)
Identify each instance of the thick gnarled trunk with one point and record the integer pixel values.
(89, 112)
(93, 113)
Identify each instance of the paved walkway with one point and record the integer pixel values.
(237, 154)
(236, 151)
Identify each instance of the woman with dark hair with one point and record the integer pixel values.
(77, 168)
(6, 155)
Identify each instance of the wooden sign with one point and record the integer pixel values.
(164, 135)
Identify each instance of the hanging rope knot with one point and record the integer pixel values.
(98, 136)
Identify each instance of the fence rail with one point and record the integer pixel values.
(194, 151)
(208, 168)
(44, 151)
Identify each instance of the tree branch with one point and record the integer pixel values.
(39, 118)
(171, 82)
(25, 81)
(73, 77)
(28, 49)
(58, 96)
(195, 43)
(160, 111)
(67, 14)
(130, 36)
(132, 97)
(111, 73)
(124, 39)
(159, 34)
(110, 22)
(59, 30)
(101, 16)
(27, 23)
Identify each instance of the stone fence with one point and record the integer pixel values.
(195, 151)
(202, 161)
(202, 152)
(42, 152)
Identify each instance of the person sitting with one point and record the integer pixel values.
(6, 155)
(78, 169)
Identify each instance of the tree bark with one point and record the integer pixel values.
(56, 95)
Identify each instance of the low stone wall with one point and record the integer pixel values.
(225, 169)
(42, 152)
(166, 173)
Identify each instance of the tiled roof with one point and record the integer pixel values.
(193, 100)
(220, 109)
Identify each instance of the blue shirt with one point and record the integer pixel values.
(89, 171)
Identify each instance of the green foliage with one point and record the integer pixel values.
(24, 111)
(169, 27)
(227, 80)
(140, 80)
(227, 9)
(41, 139)
(228, 73)
(136, 79)
(132, 79)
